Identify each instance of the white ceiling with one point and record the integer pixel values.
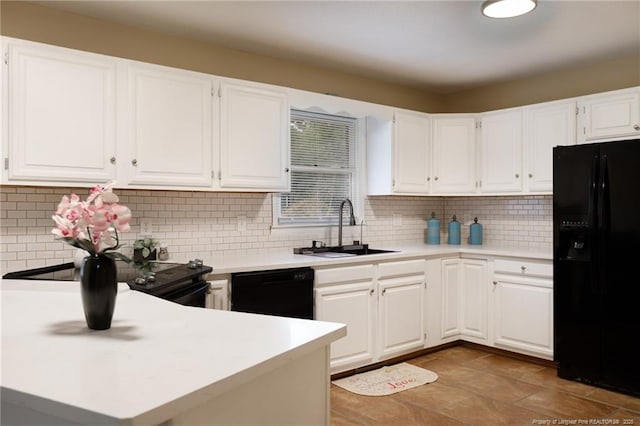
(442, 46)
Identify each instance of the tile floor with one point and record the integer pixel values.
(480, 388)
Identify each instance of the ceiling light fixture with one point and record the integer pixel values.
(507, 8)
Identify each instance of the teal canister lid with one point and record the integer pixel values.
(475, 232)
(433, 230)
(454, 231)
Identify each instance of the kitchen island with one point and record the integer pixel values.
(160, 363)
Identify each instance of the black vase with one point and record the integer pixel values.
(99, 288)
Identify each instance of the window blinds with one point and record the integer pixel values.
(322, 168)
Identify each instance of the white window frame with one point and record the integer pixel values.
(357, 181)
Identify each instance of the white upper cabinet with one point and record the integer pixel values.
(411, 153)
(398, 154)
(501, 152)
(61, 114)
(545, 126)
(254, 138)
(170, 122)
(454, 154)
(610, 115)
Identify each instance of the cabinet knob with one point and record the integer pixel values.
(495, 283)
(517, 175)
(286, 170)
(371, 292)
(112, 160)
(384, 291)
(636, 126)
(429, 178)
(435, 178)
(134, 162)
(523, 268)
(530, 175)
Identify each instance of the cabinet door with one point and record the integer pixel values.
(170, 127)
(546, 126)
(218, 294)
(450, 297)
(254, 138)
(501, 152)
(401, 310)
(353, 305)
(61, 114)
(454, 155)
(524, 314)
(610, 115)
(411, 162)
(474, 299)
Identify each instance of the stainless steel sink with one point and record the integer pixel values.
(340, 251)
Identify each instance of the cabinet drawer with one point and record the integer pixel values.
(347, 274)
(407, 267)
(524, 267)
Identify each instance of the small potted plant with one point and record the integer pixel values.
(144, 249)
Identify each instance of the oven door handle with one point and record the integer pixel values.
(182, 298)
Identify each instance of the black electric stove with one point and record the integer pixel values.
(182, 283)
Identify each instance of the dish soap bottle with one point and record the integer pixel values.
(433, 230)
(454, 231)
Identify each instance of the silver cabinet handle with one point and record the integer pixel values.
(636, 126)
(112, 160)
(134, 162)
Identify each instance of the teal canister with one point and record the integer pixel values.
(433, 230)
(475, 232)
(454, 231)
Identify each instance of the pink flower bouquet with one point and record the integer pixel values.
(93, 225)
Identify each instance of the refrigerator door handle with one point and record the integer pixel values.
(593, 193)
(602, 222)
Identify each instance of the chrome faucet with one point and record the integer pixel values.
(352, 219)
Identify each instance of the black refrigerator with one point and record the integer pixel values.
(596, 263)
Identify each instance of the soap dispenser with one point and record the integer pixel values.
(433, 230)
(475, 232)
(454, 231)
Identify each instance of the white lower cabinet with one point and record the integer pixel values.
(381, 305)
(474, 300)
(523, 307)
(218, 294)
(450, 284)
(401, 307)
(464, 299)
(395, 308)
(347, 295)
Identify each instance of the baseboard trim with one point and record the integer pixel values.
(434, 349)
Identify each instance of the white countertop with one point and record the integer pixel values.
(275, 260)
(157, 360)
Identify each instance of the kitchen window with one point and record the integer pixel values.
(323, 170)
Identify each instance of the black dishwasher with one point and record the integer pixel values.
(281, 292)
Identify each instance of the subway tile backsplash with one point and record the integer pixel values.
(205, 224)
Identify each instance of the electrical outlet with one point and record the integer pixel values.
(145, 227)
(397, 220)
(242, 223)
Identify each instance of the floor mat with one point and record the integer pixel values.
(387, 380)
